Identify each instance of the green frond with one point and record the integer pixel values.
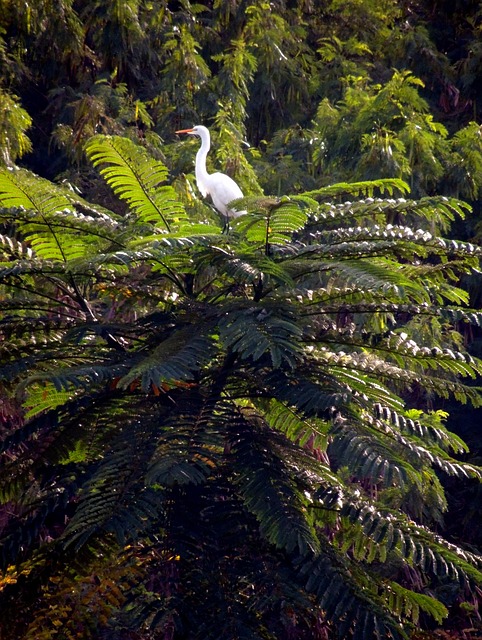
(241, 268)
(418, 238)
(347, 598)
(114, 499)
(454, 315)
(135, 177)
(273, 221)
(49, 389)
(175, 360)
(44, 397)
(364, 370)
(372, 454)
(389, 185)
(61, 234)
(186, 235)
(319, 398)
(21, 188)
(297, 429)
(230, 411)
(426, 427)
(244, 267)
(268, 489)
(363, 386)
(95, 224)
(190, 447)
(259, 331)
(368, 456)
(407, 604)
(378, 533)
(438, 210)
(382, 276)
(31, 267)
(461, 364)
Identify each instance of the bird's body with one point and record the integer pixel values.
(222, 189)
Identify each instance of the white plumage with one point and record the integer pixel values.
(219, 186)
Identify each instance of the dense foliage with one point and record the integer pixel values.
(403, 78)
(241, 434)
(217, 420)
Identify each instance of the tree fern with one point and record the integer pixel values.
(224, 412)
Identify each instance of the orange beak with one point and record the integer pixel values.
(184, 131)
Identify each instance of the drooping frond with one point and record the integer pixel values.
(268, 489)
(351, 603)
(298, 429)
(437, 210)
(405, 603)
(190, 448)
(176, 360)
(378, 533)
(114, 499)
(261, 330)
(59, 232)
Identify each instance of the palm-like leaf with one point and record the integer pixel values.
(136, 178)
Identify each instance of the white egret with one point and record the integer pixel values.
(222, 189)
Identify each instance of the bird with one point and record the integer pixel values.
(222, 189)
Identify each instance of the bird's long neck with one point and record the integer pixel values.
(201, 155)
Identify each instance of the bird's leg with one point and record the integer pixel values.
(226, 224)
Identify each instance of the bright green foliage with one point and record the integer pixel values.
(322, 92)
(207, 415)
(386, 131)
(134, 177)
(14, 122)
(213, 435)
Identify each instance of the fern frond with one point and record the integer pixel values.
(439, 210)
(413, 424)
(382, 276)
(190, 448)
(296, 428)
(261, 330)
(267, 489)
(318, 398)
(409, 364)
(350, 602)
(370, 457)
(273, 221)
(176, 359)
(21, 188)
(61, 235)
(114, 499)
(389, 185)
(20, 539)
(407, 604)
(463, 364)
(378, 533)
(135, 177)
(372, 454)
(45, 397)
(91, 223)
